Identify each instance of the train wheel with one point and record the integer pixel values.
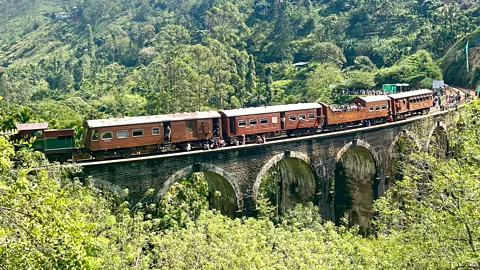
(100, 156)
(126, 153)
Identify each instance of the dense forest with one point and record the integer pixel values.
(66, 60)
(429, 219)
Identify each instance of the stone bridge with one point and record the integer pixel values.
(341, 172)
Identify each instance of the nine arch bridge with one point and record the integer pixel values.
(341, 172)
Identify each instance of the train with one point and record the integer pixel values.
(130, 136)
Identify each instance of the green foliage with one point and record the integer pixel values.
(427, 220)
(321, 82)
(163, 56)
(184, 202)
(417, 69)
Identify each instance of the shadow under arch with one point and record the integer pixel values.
(396, 150)
(295, 181)
(218, 180)
(272, 162)
(356, 182)
(438, 134)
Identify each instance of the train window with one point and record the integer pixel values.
(370, 109)
(122, 134)
(302, 116)
(377, 108)
(156, 131)
(137, 132)
(384, 107)
(274, 120)
(107, 135)
(190, 126)
(311, 115)
(252, 122)
(95, 135)
(38, 133)
(263, 121)
(292, 117)
(242, 123)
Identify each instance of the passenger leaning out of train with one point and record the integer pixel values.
(168, 132)
(397, 105)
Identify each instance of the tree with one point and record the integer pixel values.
(360, 79)
(327, 52)
(322, 81)
(268, 84)
(434, 209)
(250, 78)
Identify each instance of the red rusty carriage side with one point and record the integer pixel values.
(373, 108)
(129, 135)
(411, 102)
(270, 120)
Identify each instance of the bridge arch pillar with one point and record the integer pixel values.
(356, 180)
(218, 180)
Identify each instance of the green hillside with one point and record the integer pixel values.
(70, 60)
(454, 64)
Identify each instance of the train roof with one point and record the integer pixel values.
(138, 120)
(374, 98)
(411, 93)
(32, 126)
(271, 109)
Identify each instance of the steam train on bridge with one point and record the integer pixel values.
(127, 136)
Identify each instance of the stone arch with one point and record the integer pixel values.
(408, 134)
(217, 178)
(113, 188)
(272, 162)
(358, 143)
(439, 130)
(295, 181)
(391, 171)
(356, 184)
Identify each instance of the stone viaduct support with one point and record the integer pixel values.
(350, 168)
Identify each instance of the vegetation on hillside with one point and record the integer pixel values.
(428, 220)
(68, 60)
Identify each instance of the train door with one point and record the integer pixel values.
(282, 120)
(216, 127)
(167, 131)
(231, 122)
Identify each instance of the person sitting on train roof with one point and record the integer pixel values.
(259, 140)
(264, 139)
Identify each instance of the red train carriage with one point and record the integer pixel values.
(409, 103)
(270, 121)
(373, 108)
(145, 134)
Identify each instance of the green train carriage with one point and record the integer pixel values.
(56, 144)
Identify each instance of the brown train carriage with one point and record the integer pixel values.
(374, 108)
(412, 102)
(129, 135)
(270, 120)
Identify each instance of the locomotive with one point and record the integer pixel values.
(127, 136)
